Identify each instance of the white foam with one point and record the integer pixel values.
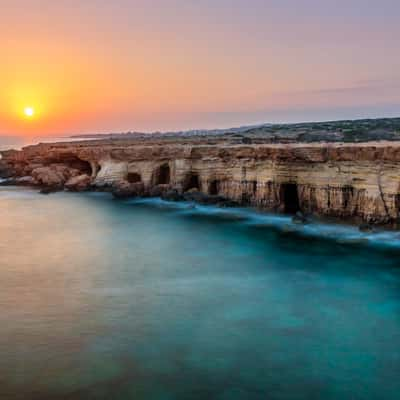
(344, 234)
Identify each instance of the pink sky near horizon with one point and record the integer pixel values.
(129, 65)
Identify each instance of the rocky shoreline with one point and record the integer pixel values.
(352, 182)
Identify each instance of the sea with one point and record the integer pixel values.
(147, 299)
(18, 142)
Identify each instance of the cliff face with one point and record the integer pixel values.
(357, 181)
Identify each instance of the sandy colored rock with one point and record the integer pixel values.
(352, 181)
(78, 183)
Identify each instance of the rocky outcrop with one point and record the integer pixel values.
(360, 182)
(124, 189)
(78, 183)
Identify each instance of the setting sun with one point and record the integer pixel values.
(29, 112)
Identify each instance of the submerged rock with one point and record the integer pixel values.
(300, 219)
(26, 180)
(123, 193)
(366, 228)
(289, 228)
(227, 203)
(158, 190)
(125, 190)
(172, 195)
(50, 189)
(207, 199)
(195, 195)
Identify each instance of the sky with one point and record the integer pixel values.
(126, 65)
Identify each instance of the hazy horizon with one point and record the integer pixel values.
(179, 65)
(4, 135)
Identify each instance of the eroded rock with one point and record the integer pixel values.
(26, 181)
(357, 182)
(78, 183)
(126, 190)
(49, 176)
(172, 195)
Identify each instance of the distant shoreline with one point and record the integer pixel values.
(348, 131)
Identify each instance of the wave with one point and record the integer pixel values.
(343, 234)
(340, 233)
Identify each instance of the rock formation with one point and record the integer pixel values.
(360, 182)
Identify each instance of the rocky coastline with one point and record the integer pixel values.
(358, 182)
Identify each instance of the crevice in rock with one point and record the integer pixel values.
(348, 192)
(385, 206)
(329, 197)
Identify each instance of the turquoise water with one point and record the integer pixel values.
(102, 299)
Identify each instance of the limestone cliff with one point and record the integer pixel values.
(353, 181)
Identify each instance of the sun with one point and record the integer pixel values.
(29, 112)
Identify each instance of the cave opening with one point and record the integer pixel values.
(213, 188)
(133, 177)
(73, 162)
(163, 175)
(290, 198)
(191, 182)
(84, 166)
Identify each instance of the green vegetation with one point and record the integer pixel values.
(363, 130)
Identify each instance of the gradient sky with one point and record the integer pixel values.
(100, 66)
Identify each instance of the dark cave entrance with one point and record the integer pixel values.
(213, 188)
(72, 161)
(191, 182)
(163, 175)
(133, 177)
(290, 198)
(84, 166)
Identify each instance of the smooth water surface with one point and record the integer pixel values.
(102, 299)
(18, 142)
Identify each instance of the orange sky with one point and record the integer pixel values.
(100, 67)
